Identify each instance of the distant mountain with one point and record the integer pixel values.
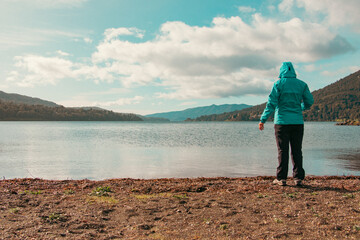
(198, 111)
(16, 107)
(339, 100)
(21, 99)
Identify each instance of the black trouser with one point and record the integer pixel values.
(292, 134)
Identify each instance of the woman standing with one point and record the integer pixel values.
(288, 98)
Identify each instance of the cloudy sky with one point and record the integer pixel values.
(147, 56)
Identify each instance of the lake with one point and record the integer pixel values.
(102, 150)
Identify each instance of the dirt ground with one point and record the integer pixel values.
(199, 208)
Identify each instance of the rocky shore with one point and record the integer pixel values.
(199, 208)
(349, 122)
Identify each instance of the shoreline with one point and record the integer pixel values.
(327, 207)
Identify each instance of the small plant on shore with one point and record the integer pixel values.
(261, 195)
(144, 197)
(31, 192)
(356, 228)
(69, 191)
(290, 195)
(181, 196)
(224, 226)
(349, 195)
(101, 191)
(14, 210)
(55, 217)
(102, 199)
(207, 221)
(278, 220)
(314, 212)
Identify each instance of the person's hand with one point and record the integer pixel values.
(261, 126)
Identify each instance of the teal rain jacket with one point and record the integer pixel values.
(288, 98)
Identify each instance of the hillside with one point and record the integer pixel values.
(16, 107)
(10, 111)
(198, 111)
(21, 99)
(339, 100)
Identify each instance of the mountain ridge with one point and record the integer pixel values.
(22, 99)
(198, 111)
(16, 107)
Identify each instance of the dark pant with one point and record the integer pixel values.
(292, 134)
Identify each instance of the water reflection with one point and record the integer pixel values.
(349, 160)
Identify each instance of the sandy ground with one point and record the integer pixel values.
(199, 208)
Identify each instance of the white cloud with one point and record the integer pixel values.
(228, 58)
(19, 36)
(61, 53)
(338, 12)
(88, 40)
(82, 100)
(3, 86)
(120, 102)
(310, 68)
(187, 103)
(38, 70)
(112, 33)
(245, 9)
(286, 5)
(340, 72)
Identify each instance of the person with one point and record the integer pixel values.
(288, 98)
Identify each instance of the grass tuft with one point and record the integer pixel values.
(69, 192)
(14, 210)
(261, 195)
(224, 226)
(290, 195)
(149, 196)
(31, 192)
(55, 217)
(181, 196)
(349, 195)
(101, 191)
(102, 199)
(278, 220)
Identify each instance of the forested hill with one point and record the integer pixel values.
(339, 100)
(21, 99)
(199, 111)
(10, 111)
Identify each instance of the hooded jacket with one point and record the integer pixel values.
(288, 98)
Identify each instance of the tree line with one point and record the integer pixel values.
(10, 111)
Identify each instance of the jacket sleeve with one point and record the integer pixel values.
(271, 104)
(308, 99)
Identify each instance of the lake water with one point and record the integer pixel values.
(101, 150)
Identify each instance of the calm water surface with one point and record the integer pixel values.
(101, 150)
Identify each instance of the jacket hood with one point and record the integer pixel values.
(287, 70)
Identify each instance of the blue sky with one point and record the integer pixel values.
(145, 56)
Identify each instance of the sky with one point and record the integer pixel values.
(150, 56)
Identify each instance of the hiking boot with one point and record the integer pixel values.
(280, 182)
(298, 182)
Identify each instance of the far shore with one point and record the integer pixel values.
(349, 123)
